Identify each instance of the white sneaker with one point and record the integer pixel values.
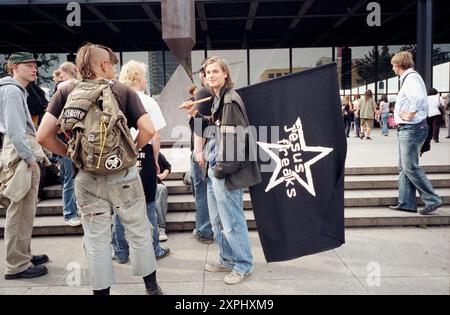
(162, 236)
(75, 221)
(235, 277)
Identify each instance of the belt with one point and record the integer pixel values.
(401, 125)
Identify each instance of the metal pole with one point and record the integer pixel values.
(164, 65)
(376, 72)
(248, 66)
(290, 60)
(424, 56)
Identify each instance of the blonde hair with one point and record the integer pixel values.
(223, 64)
(69, 68)
(56, 74)
(403, 59)
(9, 68)
(83, 59)
(132, 71)
(346, 99)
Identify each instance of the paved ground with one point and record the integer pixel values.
(407, 260)
(373, 260)
(381, 151)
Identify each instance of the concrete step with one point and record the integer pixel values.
(354, 217)
(373, 170)
(352, 182)
(185, 202)
(175, 187)
(384, 197)
(185, 220)
(385, 170)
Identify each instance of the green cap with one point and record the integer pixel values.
(22, 57)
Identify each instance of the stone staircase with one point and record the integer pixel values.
(368, 192)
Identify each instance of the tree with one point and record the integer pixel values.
(48, 61)
(384, 63)
(439, 56)
(3, 72)
(366, 67)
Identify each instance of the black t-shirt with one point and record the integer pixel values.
(163, 165)
(204, 109)
(129, 102)
(147, 170)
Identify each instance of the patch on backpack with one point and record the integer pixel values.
(113, 162)
(74, 113)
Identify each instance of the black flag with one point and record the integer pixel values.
(299, 205)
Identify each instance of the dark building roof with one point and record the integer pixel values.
(40, 25)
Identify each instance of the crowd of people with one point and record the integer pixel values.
(104, 134)
(362, 113)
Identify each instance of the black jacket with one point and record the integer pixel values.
(37, 103)
(239, 168)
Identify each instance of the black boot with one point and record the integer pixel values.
(151, 286)
(102, 292)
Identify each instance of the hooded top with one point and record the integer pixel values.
(15, 118)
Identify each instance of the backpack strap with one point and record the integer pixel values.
(404, 79)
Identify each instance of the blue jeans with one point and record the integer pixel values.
(67, 180)
(229, 225)
(448, 122)
(202, 222)
(161, 205)
(412, 176)
(384, 124)
(119, 242)
(347, 126)
(357, 126)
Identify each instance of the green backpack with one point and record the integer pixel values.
(99, 138)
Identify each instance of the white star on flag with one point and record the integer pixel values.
(309, 184)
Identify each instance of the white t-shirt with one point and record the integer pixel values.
(411, 98)
(356, 108)
(153, 111)
(384, 107)
(433, 105)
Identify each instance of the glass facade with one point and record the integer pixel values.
(441, 68)
(306, 58)
(375, 73)
(368, 71)
(267, 64)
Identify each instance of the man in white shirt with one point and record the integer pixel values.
(133, 74)
(411, 111)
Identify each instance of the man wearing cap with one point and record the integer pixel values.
(19, 176)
